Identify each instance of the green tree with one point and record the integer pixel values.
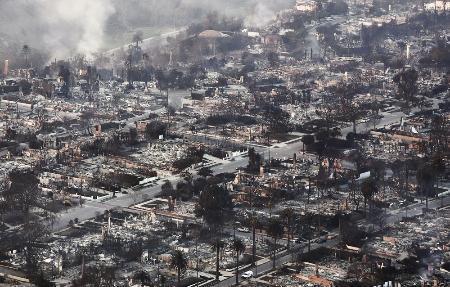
(345, 92)
(167, 189)
(23, 193)
(218, 245)
(239, 248)
(254, 160)
(277, 120)
(307, 140)
(213, 205)
(154, 129)
(406, 81)
(184, 190)
(179, 262)
(275, 230)
(205, 172)
(353, 113)
(199, 185)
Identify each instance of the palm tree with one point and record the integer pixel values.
(217, 246)
(179, 262)
(438, 166)
(3, 208)
(368, 189)
(239, 248)
(353, 115)
(26, 52)
(137, 38)
(254, 221)
(425, 179)
(288, 214)
(214, 203)
(275, 230)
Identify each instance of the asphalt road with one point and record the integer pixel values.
(285, 256)
(91, 208)
(416, 209)
(148, 43)
(281, 150)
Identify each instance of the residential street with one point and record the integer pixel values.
(281, 150)
(285, 256)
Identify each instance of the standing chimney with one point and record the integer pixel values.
(82, 266)
(6, 68)
(295, 160)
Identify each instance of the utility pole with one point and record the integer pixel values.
(340, 230)
(196, 253)
(253, 224)
(268, 142)
(168, 113)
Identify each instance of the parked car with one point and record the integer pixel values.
(331, 236)
(243, 229)
(247, 274)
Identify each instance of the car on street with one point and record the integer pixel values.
(243, 229)
(247, 274)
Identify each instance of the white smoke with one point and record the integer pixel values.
(183, 12)
(63, 27)
(260, 16)
(84, 17)
(257, 13)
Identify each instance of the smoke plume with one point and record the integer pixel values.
(63, 27)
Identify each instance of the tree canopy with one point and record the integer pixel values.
(213, 203)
